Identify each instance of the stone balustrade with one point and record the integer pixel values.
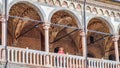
(53, 60)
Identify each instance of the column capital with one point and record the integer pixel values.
(115, 38)
(82, 33)
(46, 26)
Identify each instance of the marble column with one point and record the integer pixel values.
(46, 27)
(115, 40)
(4, 32)
(4, 39)
(84, 46)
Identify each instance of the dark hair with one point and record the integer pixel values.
(56, 49)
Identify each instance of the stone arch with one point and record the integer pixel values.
(25, 33)
(99, 43)
(107, 21)
(64, 17)
(68, 11)
(30, 3)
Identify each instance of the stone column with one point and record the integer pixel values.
(4, 39)
(115, 40)
(84, 46)
(4, 32)
(46, 28)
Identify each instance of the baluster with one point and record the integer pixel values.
(38, 59)
(12, 55)
(95, 64)
(76, 61)
(98, 64)
(105, 64)
(58, 61)
(16, 57)
(67, 63)
(23, 56)
(92, 65)
(102, 64)
(34, 60)
(108, 66)
(8, 55)
(89, 63)
(27, 55)
(64, 61)
(44, 59)
(70, 62)
(51, 59)
(31, 58)
(80, 63)
(113, 65)
(19, 56)
(61, 61)
(55, 62)
(83, 63)
(73, 61)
